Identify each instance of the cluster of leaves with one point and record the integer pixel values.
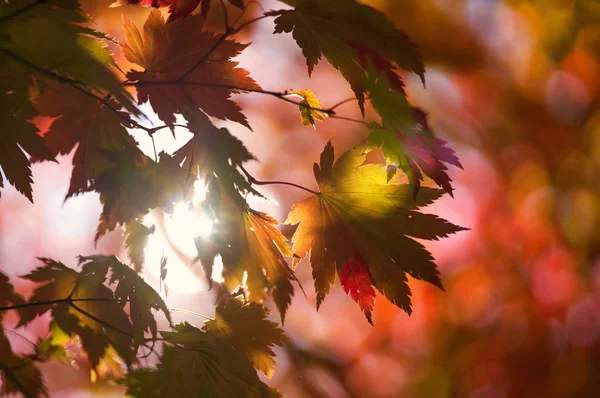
(107, 308)
(358, 224)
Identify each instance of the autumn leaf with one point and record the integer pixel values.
(201, 365)
(91, 126)
(309, 107)
(177, 8)
(18, 134)
(416, 151)
(343, 31)
(8, 294)
(131, 183)
(19, 374)
(252, 249)
(358, 212)
(214, 152)
(355, 279)
(136, 240)
(184, 67)
(247, 328)
(82, 307)
(130, 288)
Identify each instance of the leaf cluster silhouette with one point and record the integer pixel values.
(358, 224)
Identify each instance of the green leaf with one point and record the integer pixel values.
(200, 364)
(415, 150)
(358, 212)
(99, 322)
(342, 31)
(130, 288)
(247, 328)
(73, 51)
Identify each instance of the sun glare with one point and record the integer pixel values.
(175, 240)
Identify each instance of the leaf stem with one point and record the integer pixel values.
(253, 180)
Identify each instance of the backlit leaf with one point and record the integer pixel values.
(341, 30)
(99, 322)
(130, 288)
(203, 365)
(358, 212)
(247, 328)
(355, 279)
(309, 107)
(252, 250)
(169, 51)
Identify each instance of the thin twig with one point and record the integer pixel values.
(242, 26)
(191, 313)
(57, 301)
(281, 95)
(253, 180)
(349, 119)
(331, 108)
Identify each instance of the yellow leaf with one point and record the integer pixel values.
(309, 107)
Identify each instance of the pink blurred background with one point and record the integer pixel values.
(514, 86)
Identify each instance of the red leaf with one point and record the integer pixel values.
(183, 68)
(356, 281)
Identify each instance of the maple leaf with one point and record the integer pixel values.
(71, 49)
(213, 151)
(131, 183)
(19, 374)
(355, 279)
(131, 288)
(201, 365)
(183, 68)
(357, 212)
(8, 294)
(136, 240)
(246, 327)
(250, 245)
(344, 31)
(86, 317)
(83, 122)
(177, 8)
(17, 134)
(414, 150)
(309, 107)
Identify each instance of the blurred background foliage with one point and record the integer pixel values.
(514, 86)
